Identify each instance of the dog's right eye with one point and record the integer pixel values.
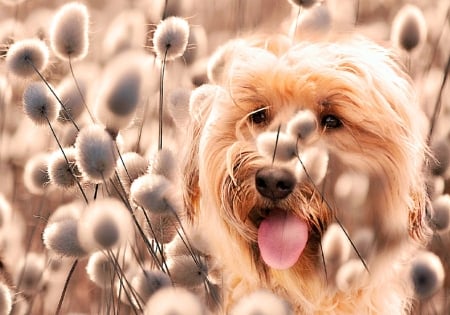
(259, 116)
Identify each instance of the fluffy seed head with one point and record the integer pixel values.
(262, 303)
(335, 245)
(278, 143)
(35, 175)
(351, 189)
(163, 163)
(154, 193)
(179, 106)
(119, 97)
(409, 28)
(30, 270)
(349, 273)
(96, 154)
(104, 224)
(24, 54)
(187, 272)
(440, 213)
(61, 174)
(69, 31)
(135, 166)
(427, 274)
(69, 211)
(363, 239)
(163, 228)
(302, 126)
(62, 238)
(147, 282)
(315, 161)
(39, 105)
(100, 270)
(70, 96)
(170, 38)
(441, 157)
(174, 301)
(6, 300)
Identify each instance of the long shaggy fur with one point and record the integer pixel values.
(381, 134)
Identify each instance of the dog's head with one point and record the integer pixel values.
(361, 116)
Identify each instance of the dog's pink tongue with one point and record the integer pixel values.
(282, 238)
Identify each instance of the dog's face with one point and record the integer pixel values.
(365, 119)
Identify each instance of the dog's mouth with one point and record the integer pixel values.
(282, 237)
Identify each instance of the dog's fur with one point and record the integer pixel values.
(382, 136)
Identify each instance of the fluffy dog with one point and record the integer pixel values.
(265, 220)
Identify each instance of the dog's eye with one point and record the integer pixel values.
(259, 116)
(331, 122)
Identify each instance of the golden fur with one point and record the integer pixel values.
(382, 135)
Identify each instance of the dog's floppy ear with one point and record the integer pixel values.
(200, 104)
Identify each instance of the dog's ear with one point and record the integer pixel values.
(418, 227)
(200, 104)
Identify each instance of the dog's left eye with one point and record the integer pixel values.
(331, 122)
(259, 116)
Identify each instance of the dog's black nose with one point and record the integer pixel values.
(274, 183)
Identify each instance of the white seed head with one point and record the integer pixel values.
(62, 238)
(427, 274)
(148, 281)
(24, 56)
(315, 161)
(163, 228)
(126, 31)
(69, 95)
(39, 105)
(261, 302)
(336, 246)
(135, 166)
(68, 211)
(349, 274)
(69, 31)
(164, 163)
(409, 28)
(30, 270)
(154, 193)
(170, 38)
(96, 154)
(174, 301)
(351, 189)
(303, 126)
(61, 173)
(119, 96)
(440, 213)
(35, 175)
(100, 270)
(277, 144)
(187, 272)
(179, 106)
(104, 224)
(440, 151)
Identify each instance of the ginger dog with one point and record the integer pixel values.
(265, 206)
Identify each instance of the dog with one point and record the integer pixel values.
(263, 221)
